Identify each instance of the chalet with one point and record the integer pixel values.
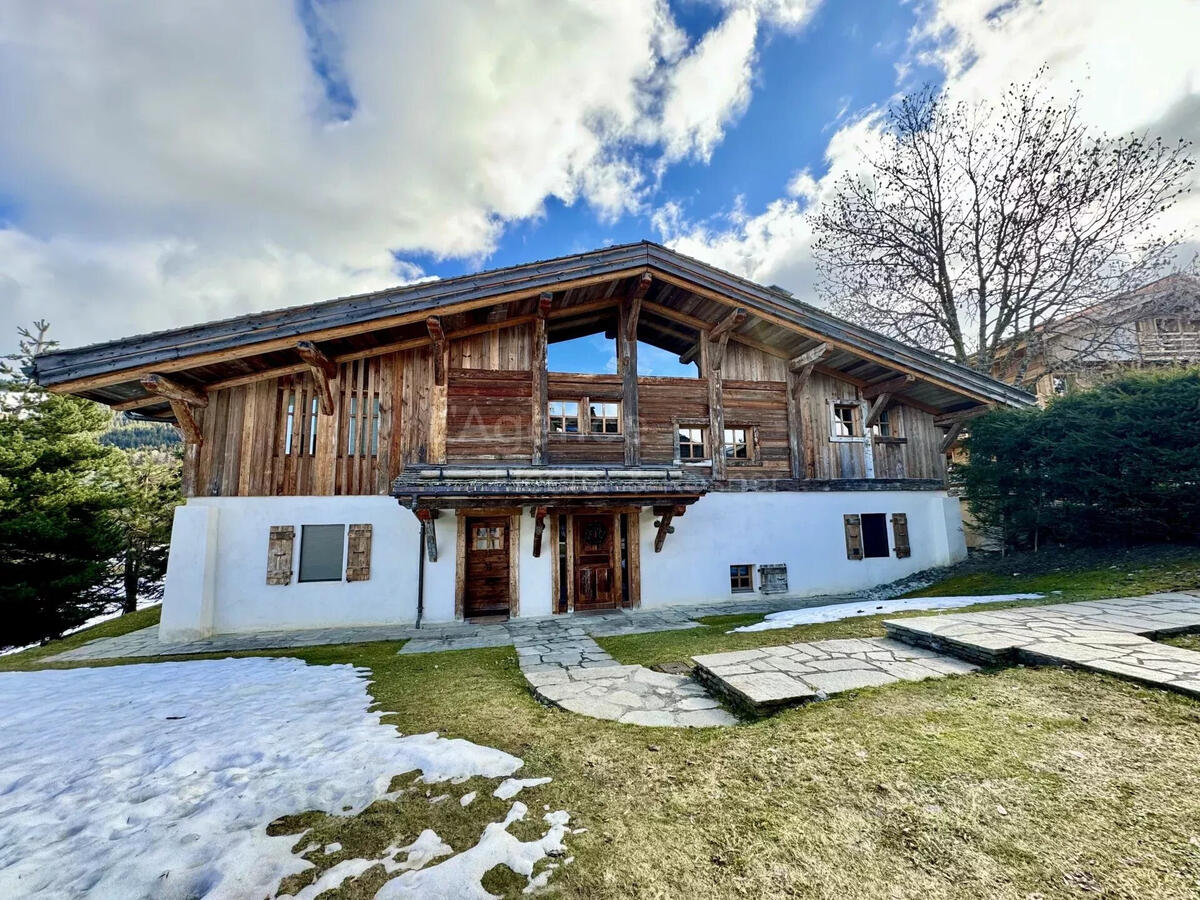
(1157, 325)
(405, 455)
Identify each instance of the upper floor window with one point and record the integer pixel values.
(564, 416)
(691, 443)
(887, 425)
(737, 444)
(299, 429)
(605, 418)
(845, 421)
(363, 427)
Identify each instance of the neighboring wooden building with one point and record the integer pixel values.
(1154, 326)
(806, 456)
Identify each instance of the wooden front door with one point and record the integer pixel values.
(596, 583)
(485, 591)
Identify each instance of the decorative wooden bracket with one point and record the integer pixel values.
(427, 516)
(182, 398)
(891, 386)
(438, 335)
(539, 525)
(808, 358)
(880, 404)
(690, 354)
(324, 370)
(635, 306)
(664, 526)
(719, 335)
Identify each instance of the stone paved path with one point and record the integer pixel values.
(566, 668)
(766, 679)
(1110, 636)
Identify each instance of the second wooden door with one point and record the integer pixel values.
(596, 582)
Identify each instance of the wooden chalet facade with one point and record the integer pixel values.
(406, 454)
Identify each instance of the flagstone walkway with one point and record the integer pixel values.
(1110, 636)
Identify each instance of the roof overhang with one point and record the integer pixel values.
(111, 370)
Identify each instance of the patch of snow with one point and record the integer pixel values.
(461, 877)
(428, 846)
(331, 848)
(510, 787)
(467, 799)
(789, 618)
(158, 780)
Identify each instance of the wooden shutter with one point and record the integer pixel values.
(853, 527)
(279, 554)
(900, 534)
(358, 554)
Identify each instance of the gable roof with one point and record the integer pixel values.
(109, 371)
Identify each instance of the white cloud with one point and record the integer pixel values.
(175, 162)
(1134, 61)
(709, 88)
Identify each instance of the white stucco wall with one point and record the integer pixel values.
(803, 530)
(216, 576)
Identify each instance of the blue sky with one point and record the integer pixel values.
(167, 164)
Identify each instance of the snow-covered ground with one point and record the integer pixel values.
(159, 780)
(791, 617)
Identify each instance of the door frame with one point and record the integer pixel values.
(514, 557)
(628, 560)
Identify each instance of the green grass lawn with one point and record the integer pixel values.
(34, 657)
(1012, 784)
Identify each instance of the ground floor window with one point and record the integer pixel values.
(741, 578)
(874, 535)
(321, 549)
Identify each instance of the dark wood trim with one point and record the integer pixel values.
(666, 516)
(514, 565)
(460, 564)
(891, 386)
(633, 534)
(809, 358)
(539, 525)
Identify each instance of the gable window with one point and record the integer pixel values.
(690, 443)
(605, 418)
(844, 425)
(321, 552)
(564, 416)
(875, 536)
(741, 579)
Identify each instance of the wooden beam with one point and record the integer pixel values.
(162, 386)
(891, 386)
(809, 357)
(951, 435)
(880, 404)
(731, 321)
(963, 415)
(689, 355)
(627, 365)
(800, 379)
(437, 335)
(716, 412)
(323, 370)
(664, 524)
(635, 306)
(795, 425)
(539, 525)
(539, 424)
(187, 423)
(427, 516)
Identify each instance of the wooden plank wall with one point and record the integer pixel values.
(488, 415)
(762, 404)
(662, 401)
(507, 349)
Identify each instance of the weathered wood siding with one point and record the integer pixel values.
(760, 407)
(488, 415)
(661, 403)
(565, 449)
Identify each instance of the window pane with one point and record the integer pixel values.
(843, 420)
(874, 535)
(289, 423)
(321, 549)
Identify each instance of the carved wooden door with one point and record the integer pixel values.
(596, 584)
(486, 590)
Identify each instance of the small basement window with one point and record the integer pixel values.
(321, 552)
(691, 443)
(564, 416)
(845, 421)
(875, 535)
(741, 579)
(605, 418)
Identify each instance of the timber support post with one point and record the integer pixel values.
(539, 423)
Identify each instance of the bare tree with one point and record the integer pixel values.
(978, 225)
